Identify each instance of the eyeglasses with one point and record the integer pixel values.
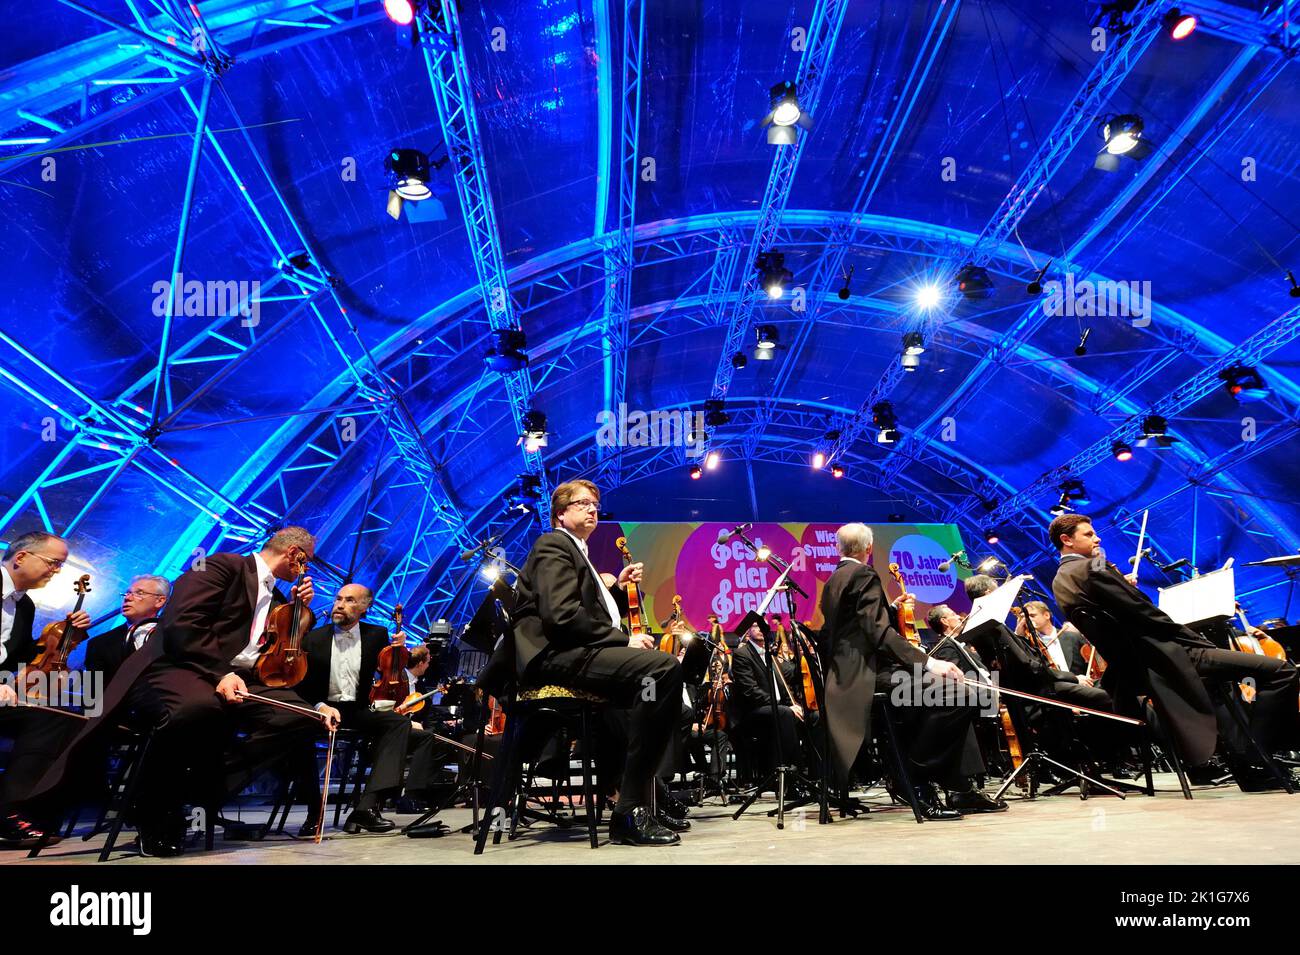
(141, 593)
(54, 564)
(586, 505)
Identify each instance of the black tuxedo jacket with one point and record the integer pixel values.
(558, 606)
(207, 621)
(1146, 639)
(21, 646)
(108, 651)
(750, 686)
(1072, 646)
(319, 644)
(862, 642)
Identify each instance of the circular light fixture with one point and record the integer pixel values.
(928, 296)
(696, 472)
(401, 12)
(837, 471)
(766, 336)
(818, 461)
(713, 460)
(1121, 451)
(1180, 25)
(1122, 133)
(991, 536)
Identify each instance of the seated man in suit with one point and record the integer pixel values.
(863, 646)
(30, 563)
(342, 658)
(1064, 645)
(764, 705)
(567, 631)
(1178, 662)
(142, 606)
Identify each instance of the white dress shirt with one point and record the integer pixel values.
(610, 605)
(1052, 644)
(139, 633)
(265, 584)
(345, 665)
(8, 609)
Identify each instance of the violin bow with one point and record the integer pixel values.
(329, 753)
(1142, 537)
(1073, 707)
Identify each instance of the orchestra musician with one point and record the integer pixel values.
(189, 696)
(1064, 646)
(567, 631)
(342, 658)
(866, 653)
(30, 562)
(1179, 662)
(764, 703)
(142, 606)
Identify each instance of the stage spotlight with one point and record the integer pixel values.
(1121, 451)
(1074, 492)
(763, 553)
(1123, 137)
(785, 115)
(1179, 25)
(910, 362)
(772, 273)
(491, 572)
(410, 171)
(913, 343)
(991, 535)
(837, 471)
(739, 361)
(886, 422)
(818, 461)
(988, 565)
(534, 437)
(766, 337)
(1244, 383)
(974, 281)
(1155, 433)
(928, 296)
(714, 415)
(1062, 506)
(401, 12)
(696, 472)
(845, 292)
(1295, 286)
(507, 353)
(712, 461)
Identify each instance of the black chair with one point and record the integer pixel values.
(352, 755)
(891, 742)
(1102, 630)
(552, 707)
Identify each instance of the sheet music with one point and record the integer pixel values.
(995, 606)
(1201, 598)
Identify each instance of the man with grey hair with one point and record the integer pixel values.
(142, 605)
(864, 646)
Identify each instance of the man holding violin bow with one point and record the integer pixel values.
(342, 658)
(30, 563)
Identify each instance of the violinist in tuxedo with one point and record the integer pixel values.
(1064, 644)
(1187, 673)
(764, 703)
(30, 562)
(196, 666)
(567, 631)
(867, 654)
(142, 606)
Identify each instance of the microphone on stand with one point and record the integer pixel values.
(484, 545)
(725, 535)
(1146, 552)
(957, 557)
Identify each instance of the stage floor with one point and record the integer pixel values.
(1210, 829)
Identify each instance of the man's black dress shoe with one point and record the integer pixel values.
(1259, 780)
(430, 830)
(671, 822)
(307, 830)
(17, 833)
(639, 828)
(668, 805)
(973, 800)
(163, 843)
(368, 819)
(931, 810)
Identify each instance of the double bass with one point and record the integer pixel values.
(391, 682)
(60, 638)
(283, 662)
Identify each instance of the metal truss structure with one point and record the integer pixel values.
(409, 510)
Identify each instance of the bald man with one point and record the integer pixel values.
(342, 657)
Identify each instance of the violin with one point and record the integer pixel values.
(635, 621)
(1096, 666)
(283, 662)
(392, 683)
(60, 638)
(906, 615)
(669, 642)
(1249, 643)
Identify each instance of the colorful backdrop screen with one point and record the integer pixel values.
(728, 579)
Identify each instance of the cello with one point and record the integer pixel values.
(283, 662)
(906, 615)
(392, 683)
(60, 638)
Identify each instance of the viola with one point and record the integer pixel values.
(391, 682)
(283, 662)
(635, 621)
(60, 638)
(670, 642)
(906, 616)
